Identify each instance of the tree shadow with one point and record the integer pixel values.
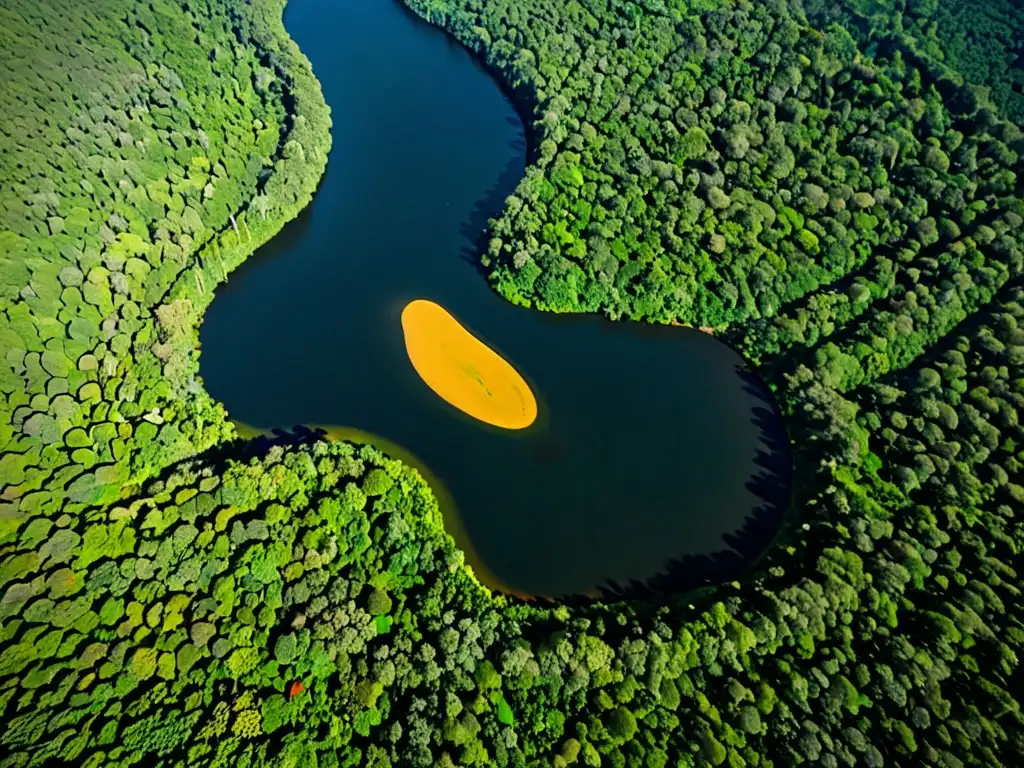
(476, 229)
(772, 484)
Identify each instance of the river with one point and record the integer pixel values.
(655, 457)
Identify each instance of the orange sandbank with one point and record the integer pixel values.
(463, 370)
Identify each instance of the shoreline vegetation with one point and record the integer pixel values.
(451, 524)
(167, 598)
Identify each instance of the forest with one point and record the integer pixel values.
(982, 42)
(837, 189)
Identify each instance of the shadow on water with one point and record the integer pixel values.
(475, 228)
(772, 485)
(295, 231)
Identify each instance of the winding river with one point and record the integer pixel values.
(654, 457)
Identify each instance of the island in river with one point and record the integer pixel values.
(464, 371)
(655, 456)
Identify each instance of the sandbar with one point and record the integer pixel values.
(464, 371)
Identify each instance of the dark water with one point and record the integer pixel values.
(651, 445)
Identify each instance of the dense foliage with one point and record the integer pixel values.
(145, 150)
(170, 597)
(130, 190)
(982, 40)
(718, 169)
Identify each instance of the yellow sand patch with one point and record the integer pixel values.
(463, 370)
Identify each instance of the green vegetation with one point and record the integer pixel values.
(726, 167)
(981, 40)
(130, 191)
(169, 596)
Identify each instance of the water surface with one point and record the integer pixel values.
(651, 445)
